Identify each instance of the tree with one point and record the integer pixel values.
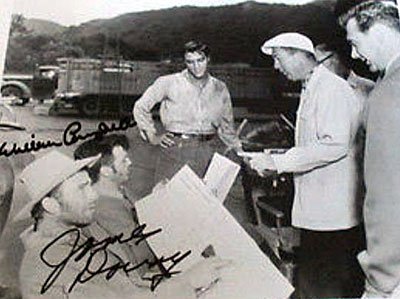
(18, 25)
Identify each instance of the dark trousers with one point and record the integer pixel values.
(196, 153)
(328, 266)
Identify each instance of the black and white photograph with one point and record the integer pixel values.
(216, 149)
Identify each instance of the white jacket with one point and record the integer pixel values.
(323, 159)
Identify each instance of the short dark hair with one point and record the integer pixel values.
(37, 214)
(103, 146)
(367, 13)
(197, 46)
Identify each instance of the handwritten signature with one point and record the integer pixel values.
(92, 248)
(71, 135)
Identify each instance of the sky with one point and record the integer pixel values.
(74, 12)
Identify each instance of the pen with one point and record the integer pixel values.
(288, 122)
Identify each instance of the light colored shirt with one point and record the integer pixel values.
(362, 87)
(381, 260)
(34, 272)
(323, 159)
(188, 106)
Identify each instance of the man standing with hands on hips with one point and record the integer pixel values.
(325, 171)
(195, 107)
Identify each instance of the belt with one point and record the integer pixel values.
(200, 137)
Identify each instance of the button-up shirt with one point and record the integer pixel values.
(34, 272)
(323, 159)
(188, 106)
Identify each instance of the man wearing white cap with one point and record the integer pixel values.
(325, 171)
(63, 204)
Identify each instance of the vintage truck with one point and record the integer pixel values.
(110, 86)
(40, 85)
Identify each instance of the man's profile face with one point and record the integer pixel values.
(365, 45)
(121, 164)
(196, 63)
(77, 198)
(287, 63)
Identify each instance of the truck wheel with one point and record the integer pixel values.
(10, 91)
(90, 107)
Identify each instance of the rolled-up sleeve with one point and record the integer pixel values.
(226, 129)
(333, 132)
(142, 109)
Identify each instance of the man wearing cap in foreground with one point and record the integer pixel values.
(325, 171)
(373, 29)
(62, 204)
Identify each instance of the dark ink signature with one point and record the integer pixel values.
(92, 248)
(71, 135)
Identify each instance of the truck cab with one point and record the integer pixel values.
(39, 86)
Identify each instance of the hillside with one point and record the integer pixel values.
(234, 32)
(42, 27)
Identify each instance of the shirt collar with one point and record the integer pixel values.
(395, 62)
(49, 227)
(314, 75)
(201, 83)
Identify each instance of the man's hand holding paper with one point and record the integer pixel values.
(263, 164)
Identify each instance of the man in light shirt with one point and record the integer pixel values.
(195, 107)
(325, 171)
(373, 29)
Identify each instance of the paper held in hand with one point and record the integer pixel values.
(192, 218)
(271, 151)
(220, 176)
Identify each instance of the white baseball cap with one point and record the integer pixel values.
(292, 40)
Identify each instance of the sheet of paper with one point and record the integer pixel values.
(220, 175)
(191, 218)
(250, 154)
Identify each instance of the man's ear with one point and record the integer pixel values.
(51, 205)
(106, 171)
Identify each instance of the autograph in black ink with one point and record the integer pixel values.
(92, 248)
(71, 135)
